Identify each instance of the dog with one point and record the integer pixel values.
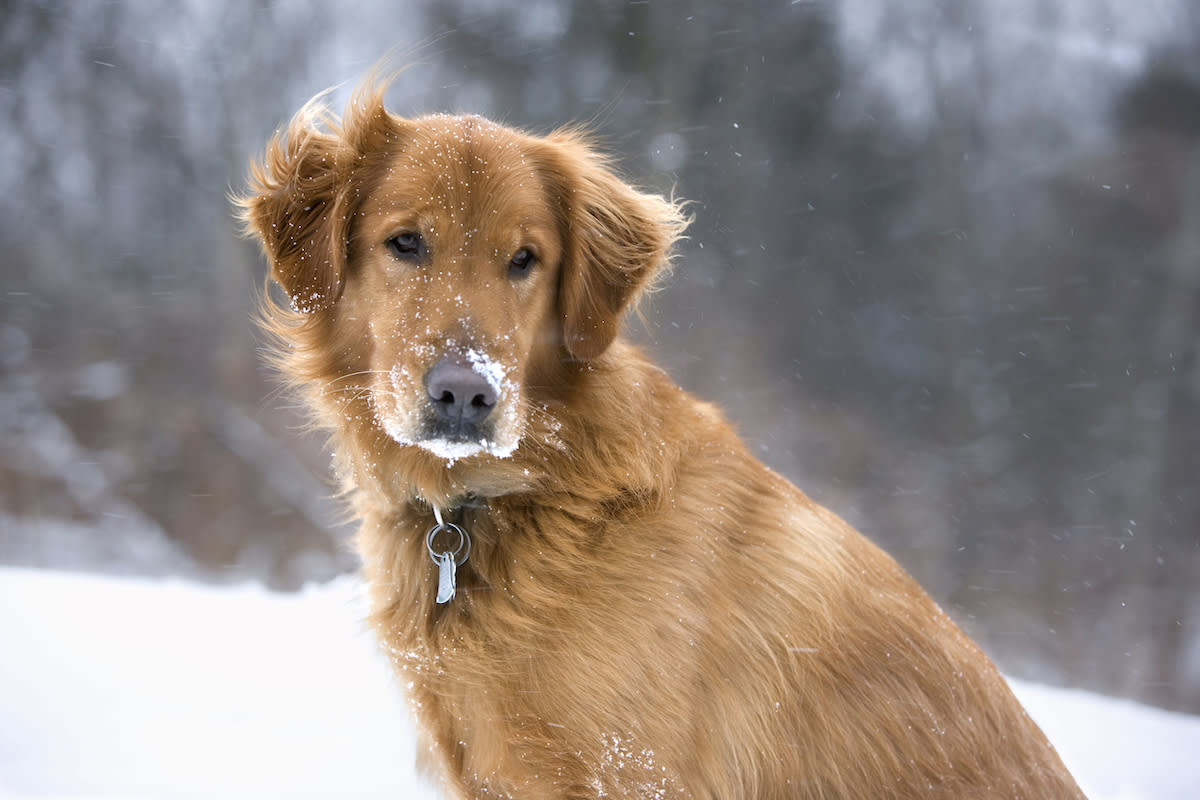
(587, 584)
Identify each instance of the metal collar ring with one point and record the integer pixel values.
(460, 553)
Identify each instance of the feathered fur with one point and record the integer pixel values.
(647, 610)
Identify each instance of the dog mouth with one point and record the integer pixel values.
(462, 440)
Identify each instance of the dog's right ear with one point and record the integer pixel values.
(292, 208)
(304, 192)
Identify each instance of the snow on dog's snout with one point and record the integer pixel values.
(490, 370)
(404, 411)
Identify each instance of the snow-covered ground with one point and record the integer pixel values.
(118, 689)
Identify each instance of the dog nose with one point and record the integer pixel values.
(459, 393)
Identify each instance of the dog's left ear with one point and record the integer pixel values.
(616, 240)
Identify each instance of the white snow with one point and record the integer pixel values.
(452, 450)
(489, 369)
(119, 689)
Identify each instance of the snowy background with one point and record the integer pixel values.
(944, 274)
(125, 689)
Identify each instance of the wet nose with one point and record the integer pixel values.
(458, 393)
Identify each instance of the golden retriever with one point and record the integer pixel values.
(587, 584)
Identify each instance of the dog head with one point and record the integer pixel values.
(447, 268)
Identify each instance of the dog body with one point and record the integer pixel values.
(646, 610)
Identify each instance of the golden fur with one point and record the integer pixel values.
(647, 610)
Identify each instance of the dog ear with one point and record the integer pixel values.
(616, 240)
(306, 189)
(293, 208)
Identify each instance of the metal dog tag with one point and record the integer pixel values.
(447, 561)
(446, 575)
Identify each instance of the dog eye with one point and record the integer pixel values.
(407, 246)
(522, 262)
